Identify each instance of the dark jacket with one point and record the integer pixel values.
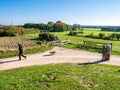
(20, 47)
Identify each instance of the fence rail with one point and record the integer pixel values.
(58, 42)
(93, 44)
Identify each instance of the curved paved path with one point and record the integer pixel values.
(62, 55)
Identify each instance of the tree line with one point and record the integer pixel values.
(114, 29)
(27, 28)
(59, 26)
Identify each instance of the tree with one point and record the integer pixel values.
(58, 26)
(69, 27)
(113, 35)
(76, 27)
(29, 25)
(50, 26)
(43, 26)
(118, 36)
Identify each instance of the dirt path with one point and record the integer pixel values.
(62, 55)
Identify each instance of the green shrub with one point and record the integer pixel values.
(101, 35)
(118, 36)
(112, 36)
(14, 31)
(91, 34)
(107, 37)
(6, 33)
(73, 33)
(45, 36)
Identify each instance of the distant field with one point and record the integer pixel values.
(96, 31)
(9, 43)
(92, 29)
(62, 77)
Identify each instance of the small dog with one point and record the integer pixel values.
(52, 52)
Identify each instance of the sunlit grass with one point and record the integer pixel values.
(81, 38)
(62, 77)
(76, 39)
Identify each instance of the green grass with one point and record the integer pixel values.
(78, 47)
(96, 31)
(62, 77)
(30, 50)
(76, 39)
(32, 36)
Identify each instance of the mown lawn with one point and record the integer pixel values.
(62, 77)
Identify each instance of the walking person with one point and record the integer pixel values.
(20, 48)
(104, 51)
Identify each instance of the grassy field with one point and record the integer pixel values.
(62, 35)
(96, 31)
(76, 39)
(62, 77)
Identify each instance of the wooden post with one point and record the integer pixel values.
(84, 43)
(111, 46)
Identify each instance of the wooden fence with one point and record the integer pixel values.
(58, 42)
(93, 44)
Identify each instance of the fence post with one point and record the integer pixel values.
(111, 46)
(84, 43)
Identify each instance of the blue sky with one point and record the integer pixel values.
(84, 12)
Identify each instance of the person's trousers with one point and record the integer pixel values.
(103, 57)
(21, 54)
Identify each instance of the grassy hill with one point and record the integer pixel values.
(62, 77)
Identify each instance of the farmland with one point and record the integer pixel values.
(10, 43)
(9, 46)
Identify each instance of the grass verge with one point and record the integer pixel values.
(80, 47)
(92, 49)
(30, 50)
(62, 77)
